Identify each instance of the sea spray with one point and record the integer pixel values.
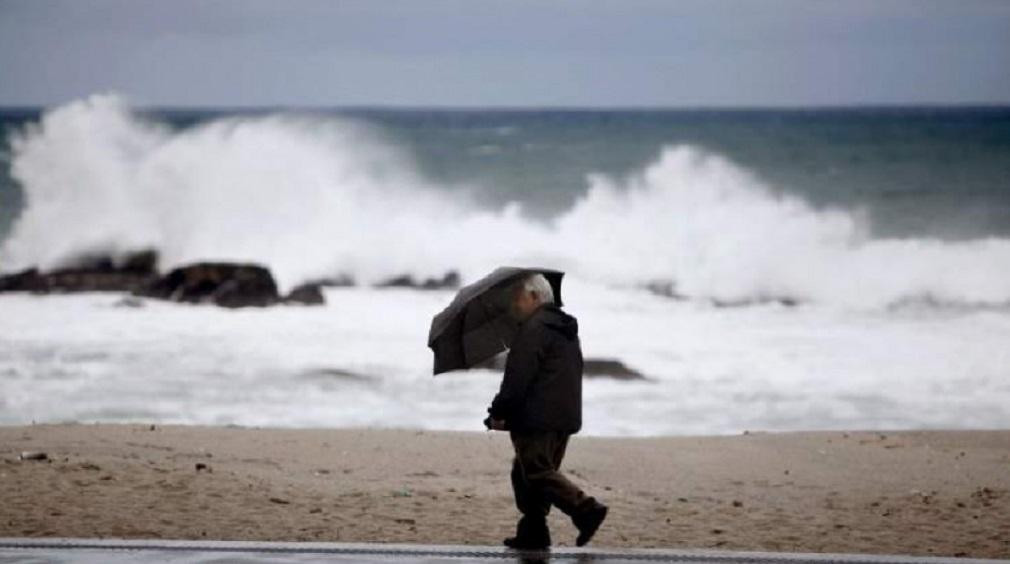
(716, 231)
(306, 197)
(316, 196)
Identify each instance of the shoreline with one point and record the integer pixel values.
(926, 493)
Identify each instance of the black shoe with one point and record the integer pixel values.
(589, 522)
(531, 534)
(527, 544)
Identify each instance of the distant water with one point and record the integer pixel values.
(890, 228)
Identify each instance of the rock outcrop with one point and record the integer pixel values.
(591, 368)
(88, 274)
(451, 280)
(610, 368)
(220, 283)
(307, 294)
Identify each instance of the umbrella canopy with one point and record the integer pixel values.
(477, 324)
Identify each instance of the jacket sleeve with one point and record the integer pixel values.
(520, 367)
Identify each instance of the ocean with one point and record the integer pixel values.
(821, 268)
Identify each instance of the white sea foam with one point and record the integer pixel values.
(361, 360)
(317, 196)
(714, 229)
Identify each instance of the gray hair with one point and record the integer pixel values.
(540, 287)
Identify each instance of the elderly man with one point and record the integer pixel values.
(540, 404)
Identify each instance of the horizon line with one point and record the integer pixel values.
(539, 108)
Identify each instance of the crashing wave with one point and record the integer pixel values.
(317, 197)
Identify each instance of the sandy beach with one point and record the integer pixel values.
(922, 493)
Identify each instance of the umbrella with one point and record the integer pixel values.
(477, 324)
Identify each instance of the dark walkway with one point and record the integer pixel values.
(116, 551)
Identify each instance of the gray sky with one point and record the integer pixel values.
(507, 53)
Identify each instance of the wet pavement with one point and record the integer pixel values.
(115, 551)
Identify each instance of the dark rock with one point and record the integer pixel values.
(666, 289)
(201, 467)
(405, 281)
(220, 283)
(25, 281)
(143, 262)
(93, 281)
(449, 281)
(224, 284)
(308, 294)
(760, 300)
(609, 368)
(88, 273)
(139, 262)
(591, 368)
(339, 374)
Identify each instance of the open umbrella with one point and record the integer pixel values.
(477, 324)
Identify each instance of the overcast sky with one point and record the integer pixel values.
(507, 53)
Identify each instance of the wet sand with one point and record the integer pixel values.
(919, 493)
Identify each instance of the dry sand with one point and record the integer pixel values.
(923, 493)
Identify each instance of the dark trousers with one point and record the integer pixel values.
(536, 480)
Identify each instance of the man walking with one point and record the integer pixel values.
(540, 404)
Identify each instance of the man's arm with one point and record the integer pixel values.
(521, 365)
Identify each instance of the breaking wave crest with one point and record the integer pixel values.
(319, 196)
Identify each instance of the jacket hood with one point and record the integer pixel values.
(552, 316)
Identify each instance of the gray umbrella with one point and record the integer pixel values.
(477, 325)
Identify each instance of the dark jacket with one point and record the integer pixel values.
(542, 386)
